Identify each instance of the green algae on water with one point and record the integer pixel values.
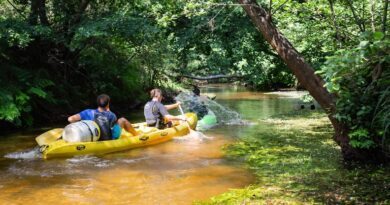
(296, 161)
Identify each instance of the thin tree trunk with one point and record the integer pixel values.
(338, 36)
(357, 19)
(75, 19)
(363, 16)
(38, 9)
(384, 21)
(80, 11)
(42, 12)
(33, 17)
(372, 12)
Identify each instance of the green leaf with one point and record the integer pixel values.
(363, 43)
(37, 91)
(378, 36)
(336, 87)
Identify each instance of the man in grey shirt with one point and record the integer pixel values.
(156, 114)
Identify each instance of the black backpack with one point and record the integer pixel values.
(104, 125)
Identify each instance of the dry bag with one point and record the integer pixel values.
(82, 131)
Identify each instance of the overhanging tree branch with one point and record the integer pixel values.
(297, 64)
(305, 75)
(16, 9)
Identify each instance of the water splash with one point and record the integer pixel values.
(88, 160)
(193, 103)
(29, 154)
(193, 136)
(134, 160)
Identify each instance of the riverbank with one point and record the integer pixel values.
(296, 161)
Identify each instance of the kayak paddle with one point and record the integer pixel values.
(182, 113)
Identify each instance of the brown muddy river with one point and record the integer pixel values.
(181, 171)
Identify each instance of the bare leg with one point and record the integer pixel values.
(125, 124)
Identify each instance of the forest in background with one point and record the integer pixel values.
(56, 56)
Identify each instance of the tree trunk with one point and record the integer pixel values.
(357, 19)
(384, 21)
(80, 11)
(38, 9)
(302, 70)
(33, 17)
(338, 35)
(305, 75)
(372, 13)
(42, 12)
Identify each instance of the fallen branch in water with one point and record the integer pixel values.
(211, 77)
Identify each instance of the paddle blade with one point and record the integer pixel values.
(49, 136)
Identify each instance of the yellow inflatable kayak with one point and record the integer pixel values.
(147, 136)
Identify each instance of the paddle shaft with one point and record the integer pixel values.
(181, 110)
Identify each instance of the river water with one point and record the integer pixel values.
(177, 172)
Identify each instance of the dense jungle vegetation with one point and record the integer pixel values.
(56, 56)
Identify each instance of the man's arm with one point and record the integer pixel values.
(172, 106)
(74, 118)
(166, 115)
(171, 117)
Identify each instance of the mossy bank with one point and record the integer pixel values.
(296, 161)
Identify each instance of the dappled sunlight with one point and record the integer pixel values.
(297, 161)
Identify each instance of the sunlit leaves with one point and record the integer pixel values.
(15, 33)
(360, 138)
(352, 75)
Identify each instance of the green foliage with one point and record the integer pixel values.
(124, 48)
(111, 47)
(214, 40)
(358, 76)
(360, 138)
(19, 90)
